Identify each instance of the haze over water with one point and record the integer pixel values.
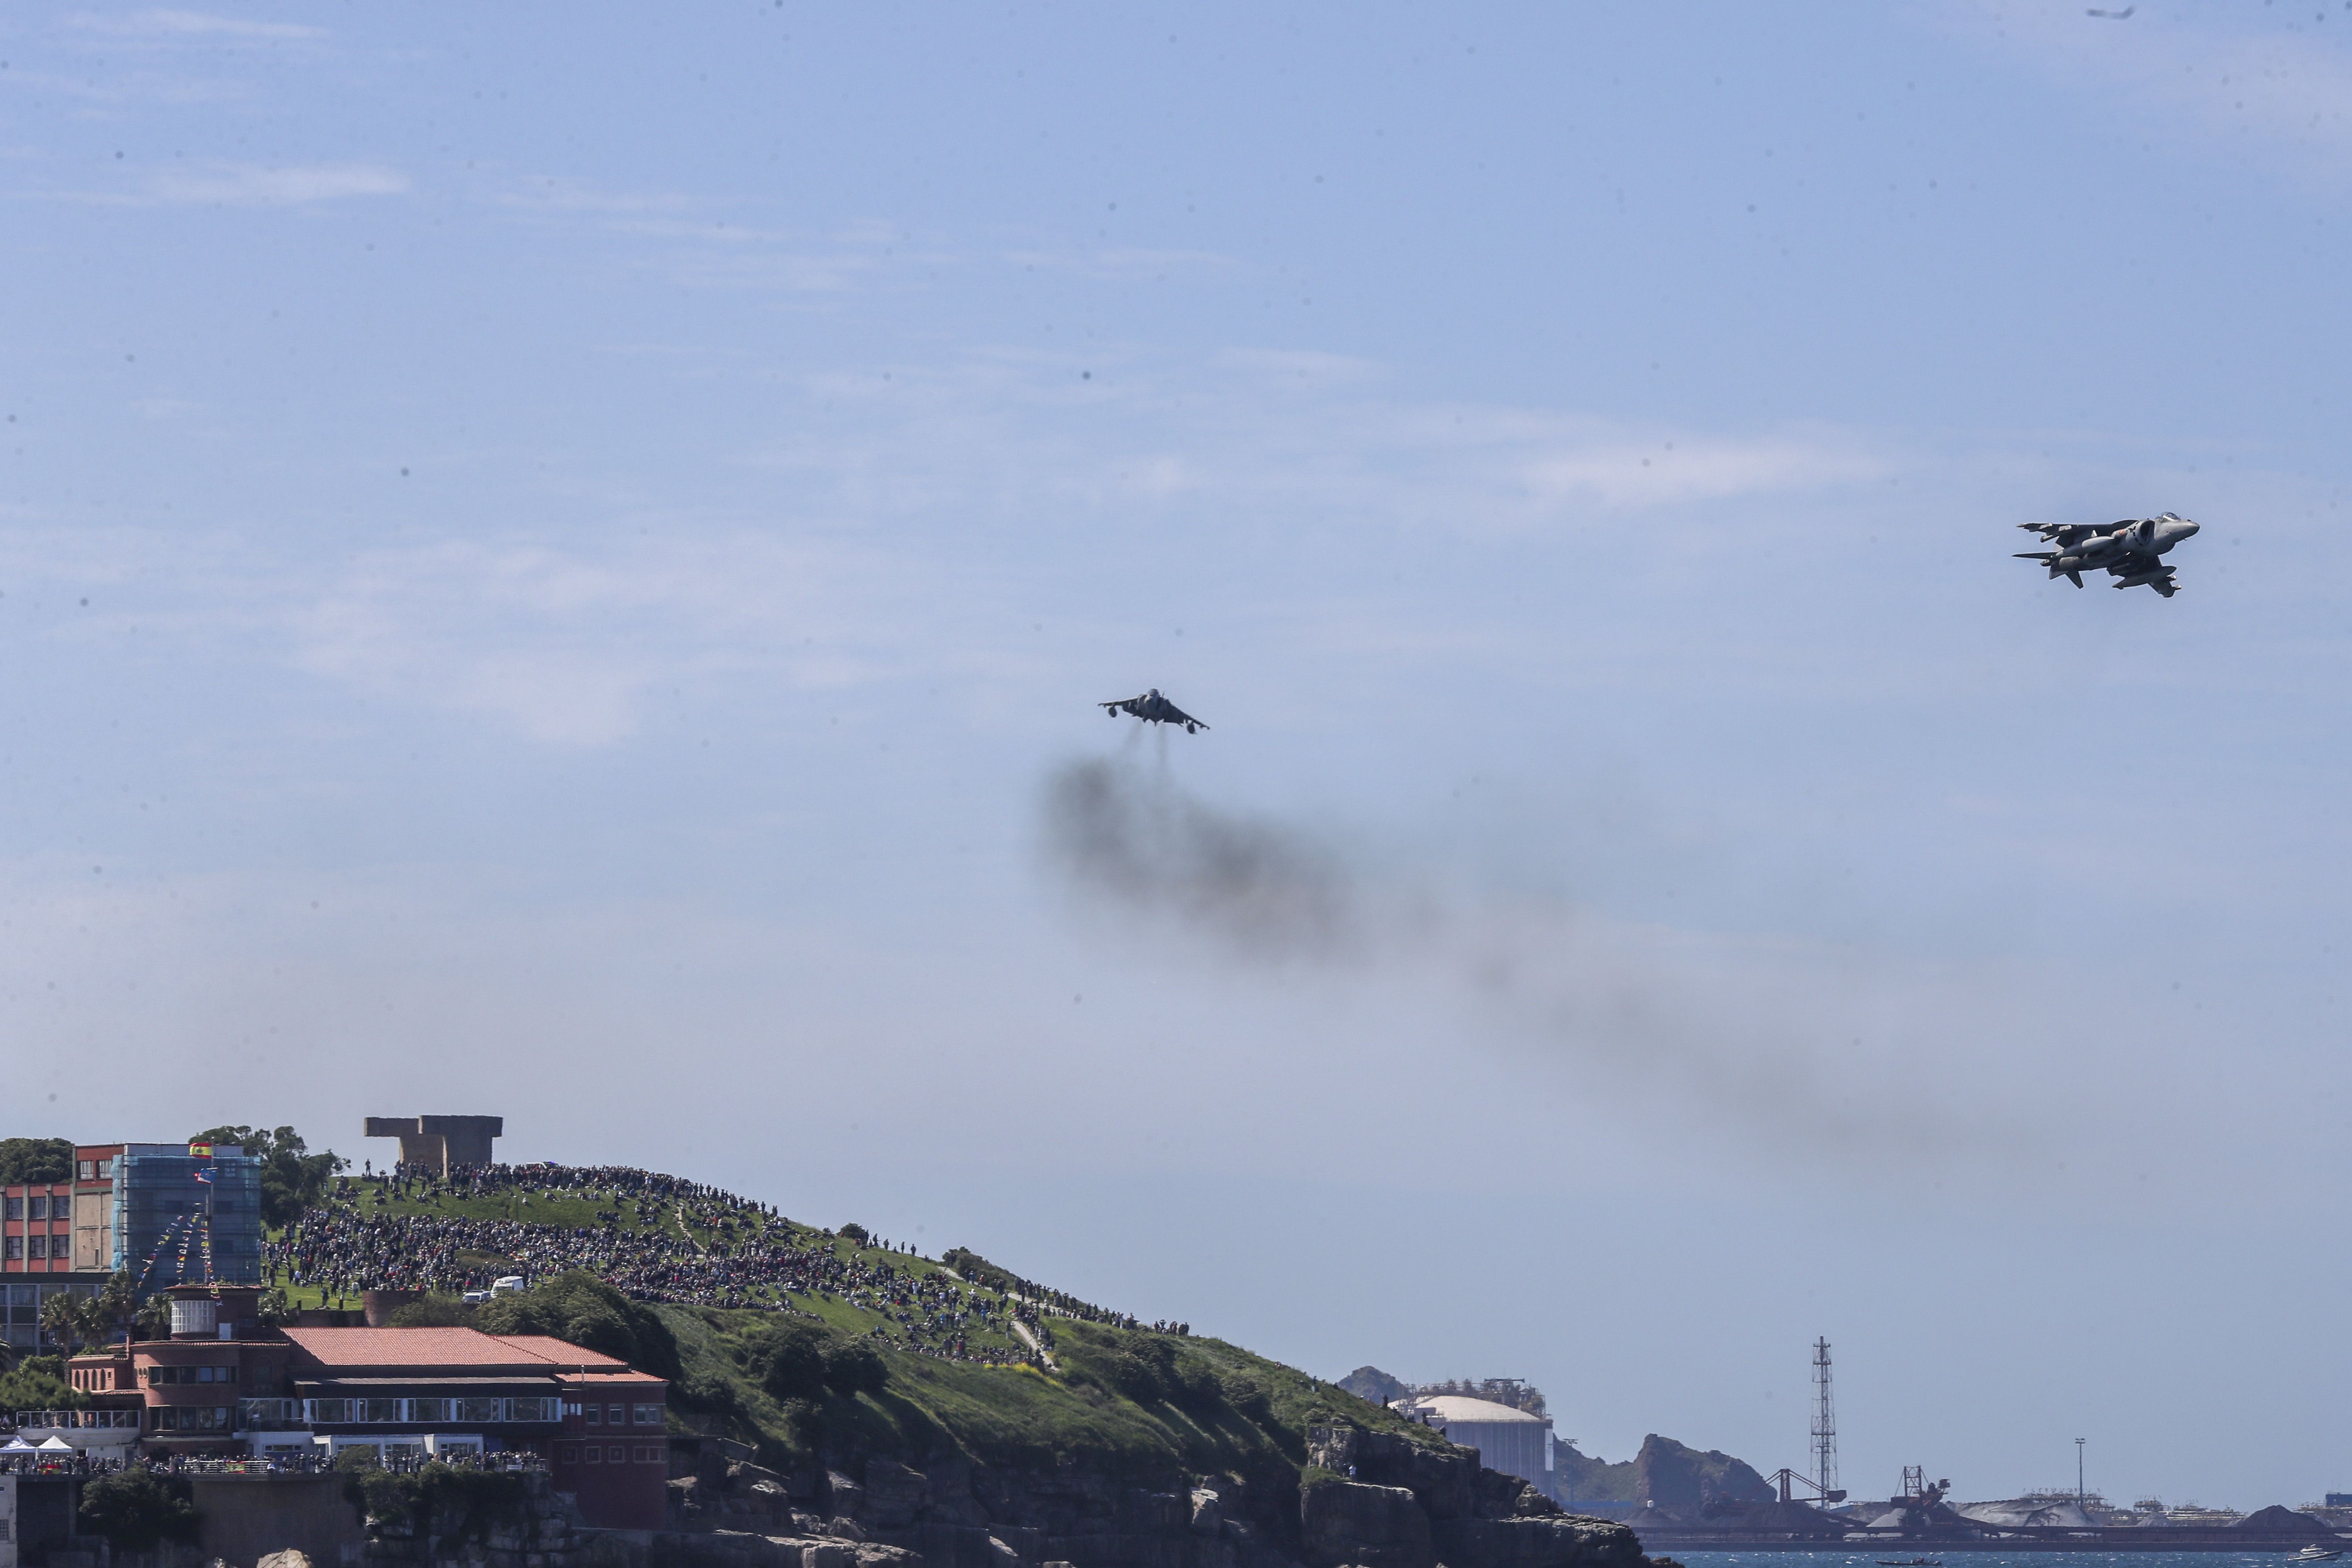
(552, 560)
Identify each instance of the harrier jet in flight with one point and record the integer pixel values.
(1153, 709)
(2129, 551)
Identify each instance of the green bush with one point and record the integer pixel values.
(800, 1358)
(580, 1308)
(855, 1233)
(137, 1509)
(435, 1311)
(38, 1383)
(36, 1159)
(463, 1502)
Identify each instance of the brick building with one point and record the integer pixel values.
(56, 1238)
(223, 1385)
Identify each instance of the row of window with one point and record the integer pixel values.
(191, 1418)
(645, 1415)
(614, 1454)
(470, 1411)
(40, 1246)
(191, 1374)
(97, 1170)
(40, 1208)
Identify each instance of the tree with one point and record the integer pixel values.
(111, 1308)
(36, 1159)
(138, 1508)
(292, 1178)
(69, 1320)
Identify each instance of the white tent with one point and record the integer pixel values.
(17, 1446)
(55, 1444)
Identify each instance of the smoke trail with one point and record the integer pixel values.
(1256, 887)
(1754, 1039)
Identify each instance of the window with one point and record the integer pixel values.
(617, 1455)
(646, 1415)
(106, 1170)
(15, 1246)
(428, 1410)
(569, 1454)
(649, 1455)
(15, 1208)
(330, 1412)
(192, 1418)
(38, 1246)
(378, 1412)
(90, 1170)
(535, 1409)
(595, 1415)
(594, 1456)
(476, 1410)
(39, 1208)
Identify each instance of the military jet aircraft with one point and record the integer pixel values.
(1153, 709)
(2130, 550)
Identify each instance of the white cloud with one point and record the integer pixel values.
(2273, 79)
(247, 185)
(566, 643)
(167, 23)
(1619, 472)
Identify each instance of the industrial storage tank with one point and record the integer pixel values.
(1508, 1439)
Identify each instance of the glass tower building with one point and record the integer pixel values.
(172, 1226)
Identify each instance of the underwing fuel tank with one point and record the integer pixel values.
(2143, 577)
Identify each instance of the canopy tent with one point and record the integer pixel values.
(17, 1446)
(54, 1445)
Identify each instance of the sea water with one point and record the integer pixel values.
(1972, 1556)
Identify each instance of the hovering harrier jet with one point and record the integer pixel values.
(1153, 709)
(2129, 551)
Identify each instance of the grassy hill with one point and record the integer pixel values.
(967, 1359)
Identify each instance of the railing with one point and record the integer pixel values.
(83, 1420)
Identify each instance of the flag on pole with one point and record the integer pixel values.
(200, 1151)
(205, 1176)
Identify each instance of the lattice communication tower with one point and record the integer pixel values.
(1824, 1421)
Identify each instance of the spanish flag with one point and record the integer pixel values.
(200, 1151)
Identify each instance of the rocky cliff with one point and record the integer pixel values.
(1408, 1505)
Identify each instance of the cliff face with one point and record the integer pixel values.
(1686, 1481)
(1375, 1499)
(1408, 1506)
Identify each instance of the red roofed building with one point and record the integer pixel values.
(222, 1386)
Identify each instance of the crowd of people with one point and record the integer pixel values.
(278, 1461)
(653, 1237)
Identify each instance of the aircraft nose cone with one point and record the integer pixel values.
(2187, 527)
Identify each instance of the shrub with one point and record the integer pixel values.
(1249, 1396)
(580, 1308)
(137, 1509)
(855, 1233)
(34, 1160)
(39, 1383)
(801, 1359)
(435, 1311)
(462, 1503)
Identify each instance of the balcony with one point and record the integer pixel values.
(108, 1429)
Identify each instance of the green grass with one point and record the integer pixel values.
(1025, 1417)
(1118, 1400)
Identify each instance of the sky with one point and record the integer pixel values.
(555, 561)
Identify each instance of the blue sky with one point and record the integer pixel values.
(549, 560)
